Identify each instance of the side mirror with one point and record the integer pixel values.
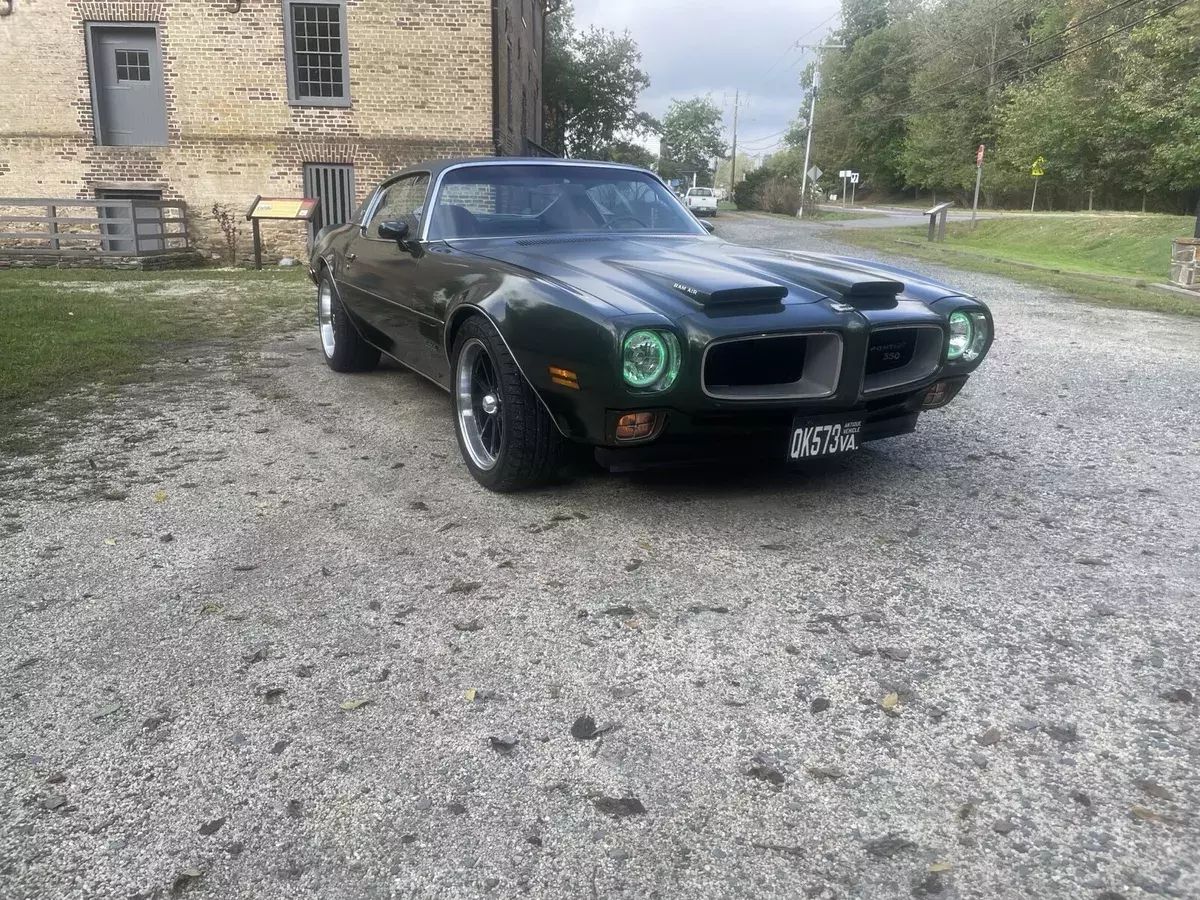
(708, 226)
(394, 231)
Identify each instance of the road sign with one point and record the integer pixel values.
(843, 173)
(814, 173)
(854, 178)
(979, 156)
(1038, 168)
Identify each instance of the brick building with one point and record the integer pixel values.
(215, 101)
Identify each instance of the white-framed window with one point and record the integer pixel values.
(318, 66)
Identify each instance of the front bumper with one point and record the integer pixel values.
(745, 435)
(693, 420)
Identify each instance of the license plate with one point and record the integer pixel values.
(815, 437)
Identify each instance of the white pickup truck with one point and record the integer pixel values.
(701, 201)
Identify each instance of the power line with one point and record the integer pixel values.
(916, 52)
(992, 65)
(908, 57)
(999, 81)
(794, 44)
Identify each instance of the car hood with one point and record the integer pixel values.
(682, 276)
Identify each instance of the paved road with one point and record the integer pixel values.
(958, 663)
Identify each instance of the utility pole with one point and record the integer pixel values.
(733, 158)
(812, 111)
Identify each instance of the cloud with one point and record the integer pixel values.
(703, 47)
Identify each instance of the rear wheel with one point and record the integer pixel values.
(507, 438)
(343, 347)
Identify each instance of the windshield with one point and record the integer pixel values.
(506, 200)
(699, 192)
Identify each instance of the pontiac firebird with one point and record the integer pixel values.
(564, 302)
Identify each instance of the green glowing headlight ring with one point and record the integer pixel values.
(962, 334)
(644, 358)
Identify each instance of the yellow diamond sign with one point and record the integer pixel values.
(1038, 169)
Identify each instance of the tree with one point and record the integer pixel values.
(745, 164)
(592, 84)
(627, 152)
(691, 137)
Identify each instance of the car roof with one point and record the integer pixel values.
(436, 167)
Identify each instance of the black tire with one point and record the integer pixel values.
(531, 448)
(343, 347)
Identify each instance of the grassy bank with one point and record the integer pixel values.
(62, 330)
(1133, 247)
(830, 214)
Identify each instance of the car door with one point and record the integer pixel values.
(381, 275)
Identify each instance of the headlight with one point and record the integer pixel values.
(968, 335)
(650, 360)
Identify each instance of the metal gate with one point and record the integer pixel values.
(130, 229)
(333, 187)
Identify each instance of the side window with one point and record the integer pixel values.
(402, 201)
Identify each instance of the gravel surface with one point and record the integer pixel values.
(261, 636)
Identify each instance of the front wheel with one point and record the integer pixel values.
(344, 348)
(507, 438)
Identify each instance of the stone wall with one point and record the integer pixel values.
(420, 88)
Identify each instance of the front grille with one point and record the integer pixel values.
(901, 356)
(773, 367)
(891, 349)
(762, 361)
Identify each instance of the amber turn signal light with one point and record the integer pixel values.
(940, 394)
(635, 425)
(565, 377)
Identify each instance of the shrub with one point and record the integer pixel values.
(748, 192)
(781, 195)
(227, 219)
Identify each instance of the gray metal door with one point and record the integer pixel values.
(333, 187)
(127, 73)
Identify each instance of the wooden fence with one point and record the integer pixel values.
(88, 228)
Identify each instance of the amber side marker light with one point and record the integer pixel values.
(565, 377)
(635, 425)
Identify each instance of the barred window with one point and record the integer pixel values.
(318, 69)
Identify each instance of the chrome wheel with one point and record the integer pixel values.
(325, 316)
(477, 397)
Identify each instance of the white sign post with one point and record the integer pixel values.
(978, 179)
(843, 174)
(853, 183)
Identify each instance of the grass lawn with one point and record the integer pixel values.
(65, 329)
(1125, 246)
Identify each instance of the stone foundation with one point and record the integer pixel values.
(176, 259)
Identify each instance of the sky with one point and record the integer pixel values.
(698, 47)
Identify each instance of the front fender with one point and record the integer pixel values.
(546, 326)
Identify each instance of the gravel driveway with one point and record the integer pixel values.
(261, 636)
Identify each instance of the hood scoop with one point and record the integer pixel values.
(860, 289)
(705, 285)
